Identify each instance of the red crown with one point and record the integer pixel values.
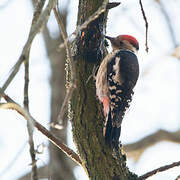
(131, 39)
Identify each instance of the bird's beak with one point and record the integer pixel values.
(110, 38)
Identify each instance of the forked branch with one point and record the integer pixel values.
(56, 141)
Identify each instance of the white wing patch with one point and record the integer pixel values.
(102, 89)
(117, 78)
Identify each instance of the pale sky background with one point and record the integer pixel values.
(155, 104)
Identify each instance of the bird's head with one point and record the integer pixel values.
(125, 42)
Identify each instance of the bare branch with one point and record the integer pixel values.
(95, 15)
(38, 8)
(161, 169)
(37, 24)
(26, 84)
(6, 97)
(146, 24)
(56, 141)
(66, 43)
(136, 149)
(13, 73)
(71, 64)
(30, 126)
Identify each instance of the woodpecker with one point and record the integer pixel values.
(116, 77)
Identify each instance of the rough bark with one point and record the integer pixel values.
(99, 161)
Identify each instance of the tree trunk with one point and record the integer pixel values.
(99, 161)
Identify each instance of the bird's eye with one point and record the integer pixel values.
(121, 43)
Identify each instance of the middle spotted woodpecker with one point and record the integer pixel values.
(115, 80)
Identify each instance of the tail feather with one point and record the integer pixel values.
(112, 133)
(114, 118)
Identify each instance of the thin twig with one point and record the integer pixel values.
(30, 125)
(56, 141)
(135, 150)
(25, 58)
(6, 97)
(38, 8)
(66, 43)
(35, 28)
(26, 84)
(71, 64)
(65, 103)
(64, 36)
(95, 15)
(146, 24)
(161, 169)
(13, 73)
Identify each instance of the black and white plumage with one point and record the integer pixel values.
(115, 80)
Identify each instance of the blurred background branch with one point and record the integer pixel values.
(135, 150)
(163, 45)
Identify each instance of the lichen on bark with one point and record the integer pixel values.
(99, 161)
